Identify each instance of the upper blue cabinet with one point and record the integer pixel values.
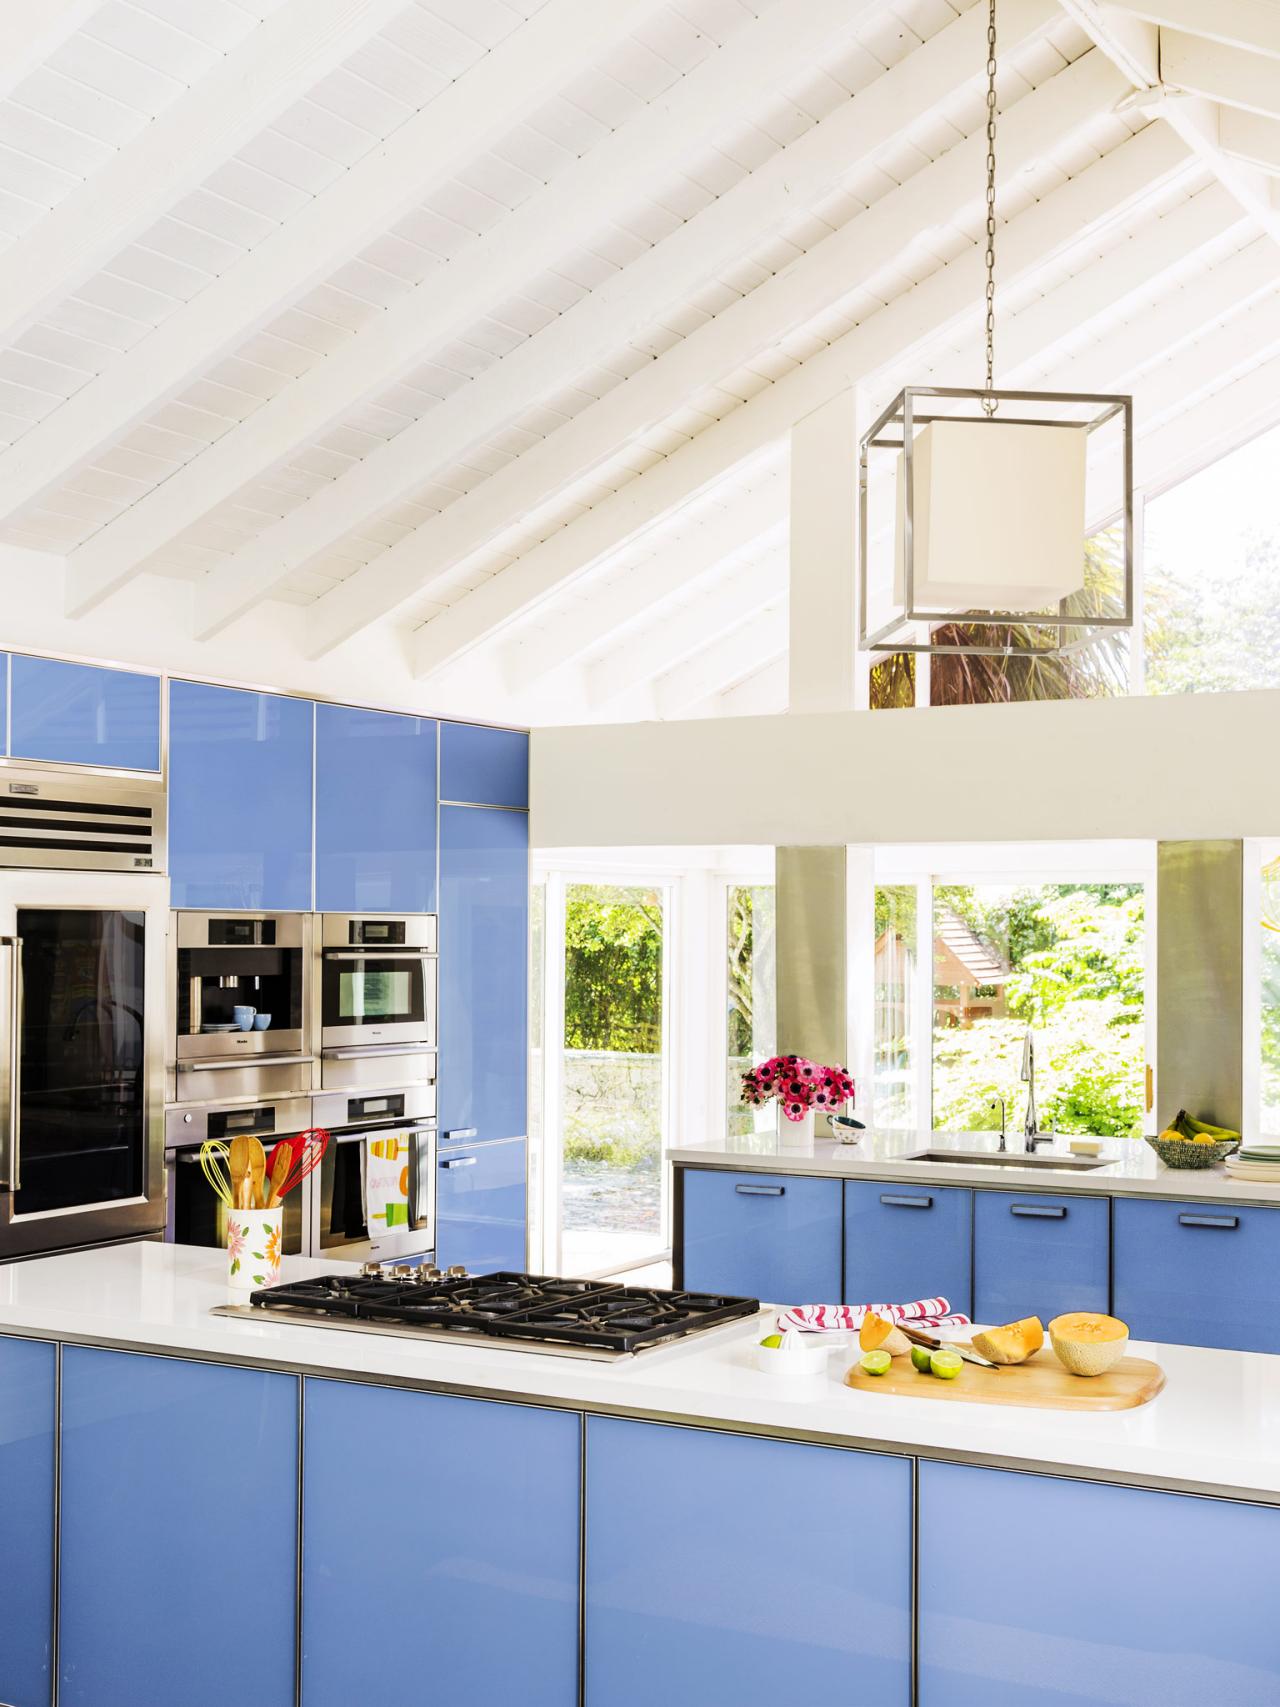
(375, 811)
(484, 767)
(240, 768)
(78, 714)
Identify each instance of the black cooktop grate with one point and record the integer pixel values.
(534, 1308)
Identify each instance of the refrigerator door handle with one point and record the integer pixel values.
(12, 1180)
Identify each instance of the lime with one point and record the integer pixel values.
(876, 1362)
(773, 1341)
(921, 1358)
(946, 1365)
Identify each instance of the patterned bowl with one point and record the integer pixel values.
(1182, 1153)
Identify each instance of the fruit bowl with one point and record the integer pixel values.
(1184, 1153)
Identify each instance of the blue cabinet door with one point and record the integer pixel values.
(775, 1237)
(480, 1207)
(1035, 1255)
(484, 973)
(1198, 1273)
(440, 1550)
(27, 1406)
(179, 1532)
(79, 714)
(484, 767)
(728, 1569)
(1078, 1593)
(904, 1241)
(239, 798)
(4, 702)
(375, 811)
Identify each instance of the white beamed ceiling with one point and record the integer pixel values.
(443, 352)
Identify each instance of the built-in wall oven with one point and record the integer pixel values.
(240, 1002)
(373, 1197)
(196, 1216)
(377, 1000)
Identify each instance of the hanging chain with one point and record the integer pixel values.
(989, 404)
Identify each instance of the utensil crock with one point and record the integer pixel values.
(254, 1238)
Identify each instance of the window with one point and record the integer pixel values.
(896, 1046)
(1265, 926)
(751, 980)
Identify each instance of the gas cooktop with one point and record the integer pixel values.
(531, 1312)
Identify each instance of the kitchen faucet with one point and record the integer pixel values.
(1034, 1135)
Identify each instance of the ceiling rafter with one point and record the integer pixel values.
(1250, 138)
(562, 39)
(601, 185)
(732, 656)
(31, 32)
(1230, 75)
(1252, 24)
(938, 306)
(246, 91)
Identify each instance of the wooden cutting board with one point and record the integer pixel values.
(1040, 1382)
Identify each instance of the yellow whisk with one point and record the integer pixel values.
(213, 1163)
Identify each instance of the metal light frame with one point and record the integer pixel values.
(902, 414)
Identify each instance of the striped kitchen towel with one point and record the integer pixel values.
(848, 1318)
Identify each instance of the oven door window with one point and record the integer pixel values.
(374, 991)
(198, 1217)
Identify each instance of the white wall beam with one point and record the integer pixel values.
(821, 608)
(1253, 24)
(731, 657)
(32, 30)
(593, 329)
(898, 333)
(580, 201)
(561, 40)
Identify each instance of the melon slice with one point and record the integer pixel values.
(1014, 1343)
(878, 1334)
(1087, 1343)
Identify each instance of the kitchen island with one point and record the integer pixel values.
(192, 1505)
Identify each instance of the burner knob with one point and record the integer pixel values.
(371, 1269)
(402, 1270)
(429, 1271)
(456, 1272)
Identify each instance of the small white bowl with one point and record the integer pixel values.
(799, 1354)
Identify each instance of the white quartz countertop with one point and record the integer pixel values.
(1132, 1168)
(1215, 1428)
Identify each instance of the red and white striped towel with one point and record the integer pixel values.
(848, 1318)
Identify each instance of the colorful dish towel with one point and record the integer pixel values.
(848, 1318)
(386, 1184)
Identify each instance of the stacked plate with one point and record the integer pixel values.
(1256, 1162)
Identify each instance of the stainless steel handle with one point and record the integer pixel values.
(358, 1052)
(1042, 1211)
(761, 1190)
(906, 1202)
(236, 1061)
(462, 1132)
(1227, 1221)
(13, 1180)
(381, 1129)
(380, 954)
(458, 1161)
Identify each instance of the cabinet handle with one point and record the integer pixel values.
(761, 1190)
(1042, 1211)
(1208, 1221)
(461, 1132)
(906, 1202)
(458, 1161)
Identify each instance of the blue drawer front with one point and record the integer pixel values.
(78, 714)
(1039, 1256)
(239, 798)
(484, 767)
(375, 811)
(27, 1402)
(1075, 1593)
(775, 1237)
(1198, 1273)
(440, 1551)
(905, 1241)
(480, 1206)
(729, 1571)
(176, 1477)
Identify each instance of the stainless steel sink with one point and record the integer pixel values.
(1008, 1159)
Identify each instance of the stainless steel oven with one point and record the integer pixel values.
(374, 1196)
(240, 1005)
(195, 1215)
(377, 1000)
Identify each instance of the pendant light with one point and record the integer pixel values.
(994, 490)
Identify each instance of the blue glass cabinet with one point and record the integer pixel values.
(81, 714)
(1198, 1273)
(484, 767)
(4, 702)
(1036, 1255)
(240, 768)
(375, 811)
(907, 1241)
(775, 1237)
(481, 1209)
(28, 1377)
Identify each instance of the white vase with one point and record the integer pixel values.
(795, 1135)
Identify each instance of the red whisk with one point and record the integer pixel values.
(305, 1151)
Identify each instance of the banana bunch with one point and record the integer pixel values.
(1183, 1127)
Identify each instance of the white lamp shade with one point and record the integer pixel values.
(998, 516)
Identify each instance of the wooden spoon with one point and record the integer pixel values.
(258, 1172)
(238, 1168)
(281, 1162)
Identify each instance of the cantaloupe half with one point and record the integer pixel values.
(1088, 1344)
(1014, 1343)
(878, 1334)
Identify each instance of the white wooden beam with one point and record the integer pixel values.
(626, 601)
(557, 43)
(755, 62)
(1211, 429)
(762, 695)
(680, 633)
(1250, 137)
(594, 190)
(1252, 24)
(731, 657)
(246, 91)
(1230, 75)
(891, 338)
(32, 30)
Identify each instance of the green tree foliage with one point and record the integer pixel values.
(613, 969)
(1216, 631)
